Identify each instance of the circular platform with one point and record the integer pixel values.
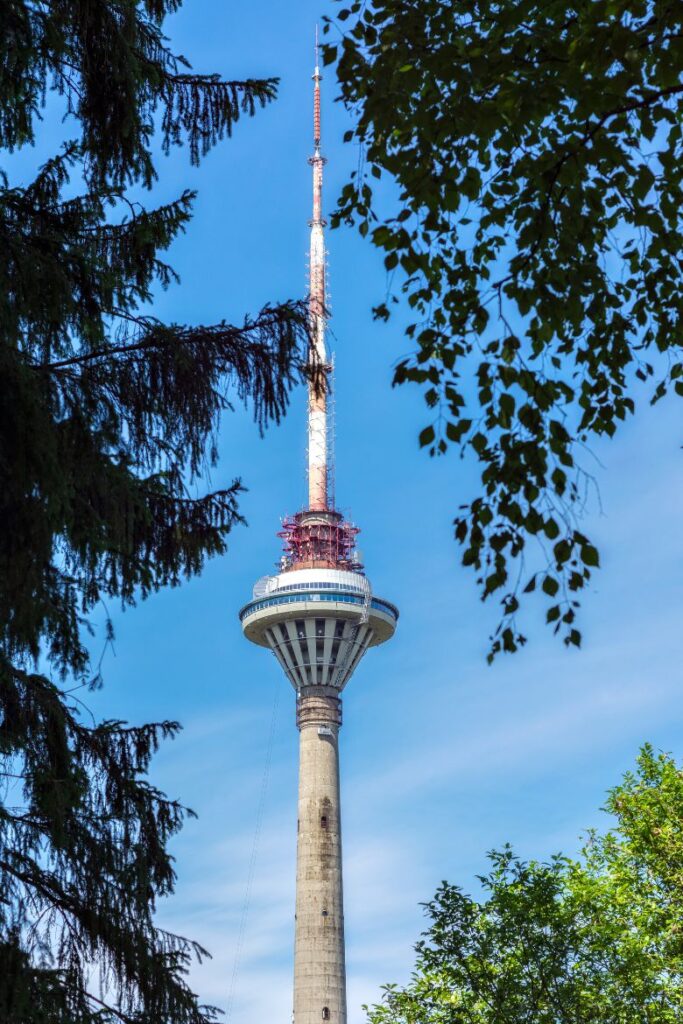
(318, 622)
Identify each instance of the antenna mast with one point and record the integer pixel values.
(318, 536)
(318, 490)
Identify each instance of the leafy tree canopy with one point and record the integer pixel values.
(108, 417)
(536, 237)
(593, 939)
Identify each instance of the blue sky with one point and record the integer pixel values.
(443, 757)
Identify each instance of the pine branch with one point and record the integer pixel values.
(110, 1009)
(160, 338)
(205, 108)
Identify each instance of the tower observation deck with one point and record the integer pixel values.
(319, 616)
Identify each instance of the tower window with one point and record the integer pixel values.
(323, 821)
(320, 627)
(326, 1013)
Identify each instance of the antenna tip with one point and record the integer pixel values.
(317, 53)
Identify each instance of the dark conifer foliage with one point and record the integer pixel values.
(108, 419)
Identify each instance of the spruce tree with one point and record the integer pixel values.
(107, 416)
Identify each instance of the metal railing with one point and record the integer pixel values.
(308, 595)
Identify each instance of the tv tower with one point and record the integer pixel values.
(319, 616)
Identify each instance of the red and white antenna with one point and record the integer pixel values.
(318, 491)
(318, 536)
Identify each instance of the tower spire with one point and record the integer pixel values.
(317, 78)
(318, 490)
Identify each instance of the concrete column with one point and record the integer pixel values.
(319, 966)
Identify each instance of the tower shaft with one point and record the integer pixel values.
(319, 965)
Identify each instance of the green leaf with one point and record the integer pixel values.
(470, 185)
(551, 529)
(562, 551)
(426, 436)
(589, 555)
(456, 431)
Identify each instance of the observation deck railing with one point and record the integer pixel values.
(304, 594)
